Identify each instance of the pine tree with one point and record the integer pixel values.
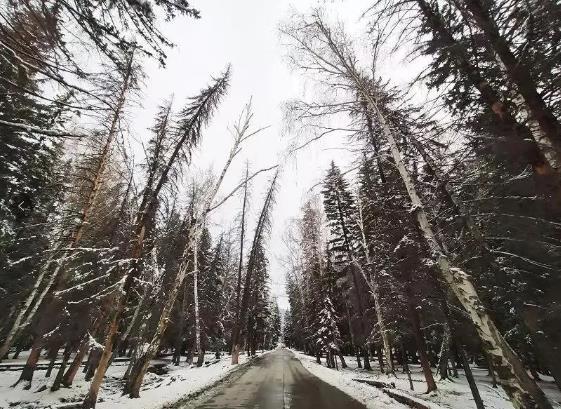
(327, 335)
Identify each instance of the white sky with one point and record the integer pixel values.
(245, 34)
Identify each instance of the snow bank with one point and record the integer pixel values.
(453, 394)
(372, 398)
(156, 391)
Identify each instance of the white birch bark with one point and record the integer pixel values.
(514, 379)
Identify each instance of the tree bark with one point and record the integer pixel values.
(543, 120)
(196, 305)
(52, 356)
(68, 378)
(60, 372)
(30, 365)
(522, 390)
(469, 376)
(406, 366)
(235, 346)
(421, 344)
(444, 355)
(542, 160)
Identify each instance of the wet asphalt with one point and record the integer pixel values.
(279, 381)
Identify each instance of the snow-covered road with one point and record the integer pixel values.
(279, 380)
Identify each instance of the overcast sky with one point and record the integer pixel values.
(245, 34)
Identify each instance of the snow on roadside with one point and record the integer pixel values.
(451, 394)
(156, 391)
(372, 398)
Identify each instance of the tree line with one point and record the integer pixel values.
(442, 244)
(102, 257)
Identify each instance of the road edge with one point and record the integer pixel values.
(197, 397)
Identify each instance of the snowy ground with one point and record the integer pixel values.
(156, 392)
(451, 394)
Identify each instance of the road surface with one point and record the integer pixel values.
(279, 381)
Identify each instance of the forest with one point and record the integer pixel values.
(434, 252)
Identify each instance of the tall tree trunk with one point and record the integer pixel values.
(406, 366)
(235, 343)
(259, 231)
(198, 346)
(522, 390)
(469, 376)
(542, 119)
(366, 359)
(420, 341)
(542, 160)
(68, 378)
(60, 372)
(444, 354)
(181, 326)
(375, 292)
(30, 365)
(52, 356)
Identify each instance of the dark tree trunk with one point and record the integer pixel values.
(29, 368)
(342, 358)
(75, 365)
(52, 356)
(60, 373)
(406, 366)
(201, 358)
(380, 359)
(421, 345)
(93, 362)
(469, 377)
(19, 348)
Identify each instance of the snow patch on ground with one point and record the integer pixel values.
(156, 391)
(453, 394)
(372, 398)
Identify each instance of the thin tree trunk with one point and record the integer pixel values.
(351, 332)
(444, 355)
(406, 366)
(365, 356)
(52, 356)
(181, 326)
(373, 284)
(342, 358)
(60, 372)
(196, 305)
(235, 346)
(469, 377)
(421, 344)
(68, 378)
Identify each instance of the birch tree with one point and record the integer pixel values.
(330, 52)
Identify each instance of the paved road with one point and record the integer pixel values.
(279, 381)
